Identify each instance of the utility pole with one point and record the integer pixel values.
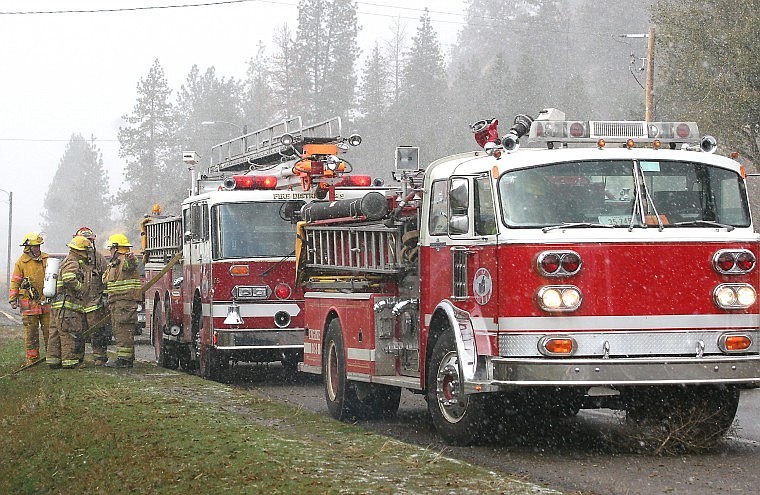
(650, 76)
(649, 89)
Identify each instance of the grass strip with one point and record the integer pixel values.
(153, 431)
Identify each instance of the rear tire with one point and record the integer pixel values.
(342, 402)
(378, 401)
(457, 417)
(213, 364)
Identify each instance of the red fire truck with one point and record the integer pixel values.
(613, 265)
(232, 296)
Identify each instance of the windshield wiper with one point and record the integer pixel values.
(702, 223)
(576, 225)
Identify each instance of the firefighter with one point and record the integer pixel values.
(26, 291)
(98, 333)
(68, 306)
(123, 290)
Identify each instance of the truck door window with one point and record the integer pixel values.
(459, 203)
(439, 208)
(485, 216)
(196, 222)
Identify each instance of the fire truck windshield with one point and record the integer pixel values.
(251, 230)
(604, 193)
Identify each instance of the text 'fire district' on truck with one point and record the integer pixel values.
(541, 281)
(226, 272)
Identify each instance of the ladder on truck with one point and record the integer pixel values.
(340, 257)
(264, 147)
(163, 239)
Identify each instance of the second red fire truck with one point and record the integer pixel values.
(231, 296)
(613, 265)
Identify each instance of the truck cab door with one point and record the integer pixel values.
(461, 262)
(196, 251)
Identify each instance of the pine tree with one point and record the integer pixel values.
(284, 75)
(696, 80)
(258, 101)
(148, 142)
(422, 111)
(205, 98)
(373, 92)
(326, 51)
(78, 195)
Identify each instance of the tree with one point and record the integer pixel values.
(204, 98)
(394, 53)
(148, 142)
(258, 101)
(284, 75)
(697, 80)
(422, 111)
(78, 195)
(326, 51)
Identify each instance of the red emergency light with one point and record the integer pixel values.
(355, 181)
(250, 182)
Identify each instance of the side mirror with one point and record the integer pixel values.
(459, 224)
(188, 236)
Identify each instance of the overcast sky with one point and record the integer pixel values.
(65, 73)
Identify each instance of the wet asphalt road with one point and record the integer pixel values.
(583, 454)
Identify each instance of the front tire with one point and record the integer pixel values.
(457, 417)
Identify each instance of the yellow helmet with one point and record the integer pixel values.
(118, 240)
(32, 239)
(80, 243)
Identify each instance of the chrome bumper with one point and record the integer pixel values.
(505, 374)
(242, 339)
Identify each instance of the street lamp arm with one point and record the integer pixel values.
(213, 122)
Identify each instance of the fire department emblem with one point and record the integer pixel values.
(482, 286)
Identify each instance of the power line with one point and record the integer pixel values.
(514, 25)
(41, 140)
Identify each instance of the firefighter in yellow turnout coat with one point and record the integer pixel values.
(124, 290)
(94, 307)
(26, 291)
(68, 306)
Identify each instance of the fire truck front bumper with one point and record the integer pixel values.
(506, 374)
(240, 339)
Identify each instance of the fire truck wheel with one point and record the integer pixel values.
(213, 364)
(342, 402)
(167, 356)
(378, 401)
(457, 417)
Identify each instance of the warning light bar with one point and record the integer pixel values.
(355, 181)
(569, 131)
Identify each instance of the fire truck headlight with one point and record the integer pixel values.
(745, 296)
(559, 298)
(734, 296)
